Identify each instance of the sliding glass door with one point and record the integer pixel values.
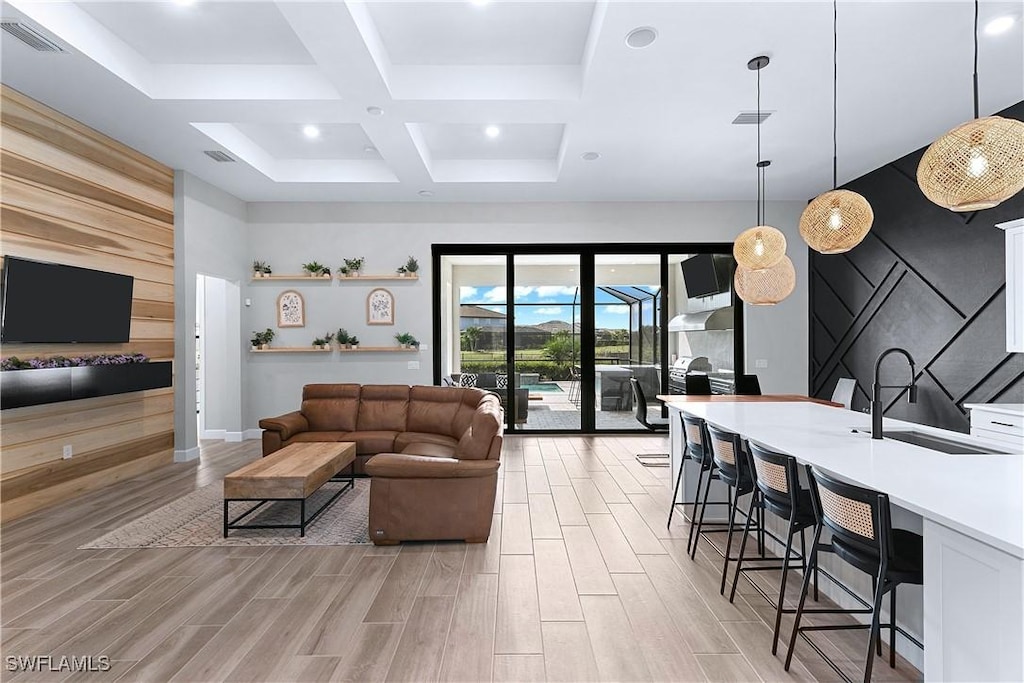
(627, 336)
(559, 332)
(546, 315)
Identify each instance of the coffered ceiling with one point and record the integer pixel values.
(402, 94)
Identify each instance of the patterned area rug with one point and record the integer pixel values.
(198, 519)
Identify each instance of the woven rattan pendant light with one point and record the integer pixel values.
(838, 220)
(771, 277)
(761, 246)
(978, 164)
(765, 286)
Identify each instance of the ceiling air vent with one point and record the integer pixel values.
(219, 155)
(750, 118)
(30, 36)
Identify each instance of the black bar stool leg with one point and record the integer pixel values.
(892, 628)
(693, 513)
(743, 545)
(782, 586)
(734, 498)
(812, 562)
(675, 494)
(875, 636)
(703, 508)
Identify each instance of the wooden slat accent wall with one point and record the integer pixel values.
(71, 195)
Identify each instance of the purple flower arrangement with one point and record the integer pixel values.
(15, 363)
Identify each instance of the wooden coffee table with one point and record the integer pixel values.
(293, 473)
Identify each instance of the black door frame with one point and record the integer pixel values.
(586, 251)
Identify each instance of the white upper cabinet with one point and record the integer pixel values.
(1014, 284)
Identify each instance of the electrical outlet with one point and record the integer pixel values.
(414, 365)
(67, 451)
(761, 363)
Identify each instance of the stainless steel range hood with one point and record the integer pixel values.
(718, 319)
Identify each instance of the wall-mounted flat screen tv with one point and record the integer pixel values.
(706, 274)
(49, 303)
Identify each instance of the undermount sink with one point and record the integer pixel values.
(937, 443)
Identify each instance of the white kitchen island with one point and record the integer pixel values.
(971, 509)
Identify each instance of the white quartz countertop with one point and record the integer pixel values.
(979, 495)
(1016, 409)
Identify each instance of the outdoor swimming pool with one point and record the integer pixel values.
(546, 387)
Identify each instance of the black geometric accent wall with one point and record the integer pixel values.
(926, 279)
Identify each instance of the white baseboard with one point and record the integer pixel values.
(220, 434)
(252, 434)
(235, 437)
(186, 455)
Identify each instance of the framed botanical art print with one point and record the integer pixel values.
(380, 307)
(291, 309)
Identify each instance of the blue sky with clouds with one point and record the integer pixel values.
(556, 305)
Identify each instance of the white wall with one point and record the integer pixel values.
(289, 234)
(209, 239)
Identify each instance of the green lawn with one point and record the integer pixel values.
(538, 354)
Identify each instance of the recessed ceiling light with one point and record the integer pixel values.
(479, 3)
(425, 193)
(999, 25)
(641, 37)
(311, 131)
(370, 149)
(184, 3)
(374, 111)
(492, 131)
(590, 156)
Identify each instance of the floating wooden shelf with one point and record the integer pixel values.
(290, 349)
(381, 349)
(378, 277)
(292, 278)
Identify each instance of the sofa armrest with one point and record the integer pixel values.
(288, 425)
(405, 466)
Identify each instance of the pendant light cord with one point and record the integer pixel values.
(835, 95)
(976, 115)
(758, 164)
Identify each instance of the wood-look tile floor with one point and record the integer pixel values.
(580, 581)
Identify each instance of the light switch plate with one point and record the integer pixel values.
(761, 363)
(414, 365)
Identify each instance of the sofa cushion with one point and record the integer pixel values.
(406, 438)
(331, 407)
(372, 441)
(467, 379)
(432, 450)
(419, 467)
(469, 399)
(475, 443)
(307, 437)
(433, 409)
(383, 407)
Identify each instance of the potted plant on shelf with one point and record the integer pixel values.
(324, 341)
(344, 338)
(260, 269)
(406, 340)
(352, 267)
(314, 269)
(353, 341)
(412, 266)
(261, 340)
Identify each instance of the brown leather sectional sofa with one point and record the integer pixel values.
(433, 453)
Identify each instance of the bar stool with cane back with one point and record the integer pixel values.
(778, 492)
(696, 448)
(655, 425)
(734, 471)
(862, 535)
